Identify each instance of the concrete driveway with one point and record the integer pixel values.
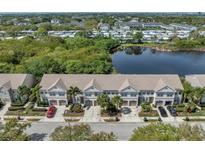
(92, 114)
(58, 116)
(132, 116)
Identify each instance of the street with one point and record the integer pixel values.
(41, 130)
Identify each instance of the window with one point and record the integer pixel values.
(52, 94)
(61, 94)
(87, 94)
(133, 94)
(160, 94)
(124, 94)
(169, 94)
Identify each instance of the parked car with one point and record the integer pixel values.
(162, 111)
(172, 111)
(51, 111)
(126, 110)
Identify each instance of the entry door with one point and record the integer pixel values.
(53, 102)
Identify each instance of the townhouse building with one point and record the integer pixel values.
(9, 84)
(133, 89)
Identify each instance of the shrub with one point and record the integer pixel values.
(16, 108)
(146, 107)
(76, 108)
(187, 119)
(39, 109)
(17, 104)
(181, 105)
(145, 119)
(159, 119)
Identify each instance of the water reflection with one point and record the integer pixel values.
(135, 60)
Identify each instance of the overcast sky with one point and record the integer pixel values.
(102, 5)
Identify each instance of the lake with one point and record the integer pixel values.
(140, 60)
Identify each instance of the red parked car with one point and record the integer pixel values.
(51, 111)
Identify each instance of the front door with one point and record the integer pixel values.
(53, 102)
(168, 103)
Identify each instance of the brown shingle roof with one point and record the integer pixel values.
(12, 80)
(112, 81)
(196, 80)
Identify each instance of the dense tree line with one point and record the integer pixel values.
(56, 55)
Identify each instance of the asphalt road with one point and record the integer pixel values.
(41, 130)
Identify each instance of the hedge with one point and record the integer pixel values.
(16, 108)
(39, 110)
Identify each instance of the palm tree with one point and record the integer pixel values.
(35, 94)
(23, 93)
(197, 95)
(117, 101)
(188, 89)
(72, 92)
(103, 101)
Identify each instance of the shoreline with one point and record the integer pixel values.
(164, 49)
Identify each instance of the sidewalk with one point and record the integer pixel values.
(4, 109)
(92, 115)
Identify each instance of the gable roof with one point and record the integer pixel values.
(161, 84)
(58, 83)
(126, 84)
(13, 81)
(111, 81)
(196, 80)
(92, 83)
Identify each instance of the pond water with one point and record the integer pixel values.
(140, 60)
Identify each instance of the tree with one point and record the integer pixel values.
(35, 94)
(117, 101)
(155, 132)
(197, 95)
(187, 90)
(72, 92)
(104, 101)
(23, 93)
(167, 132)
(14, 131)
(80, 132)
(191, 133)
(102, 136)
(138, 37)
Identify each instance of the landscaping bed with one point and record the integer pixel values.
(199, 113)
(112, 120)
(152, 113)
(28, 111)
(75, 110)
(68, 113)
(106, 114)
(72, 120)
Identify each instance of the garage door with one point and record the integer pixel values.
(159, 103)
(88, 103)
(62, 102)
(133, 103)
(125, 103)
(168, 103)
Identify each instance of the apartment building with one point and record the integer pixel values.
(133, 89)
(9, 84)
